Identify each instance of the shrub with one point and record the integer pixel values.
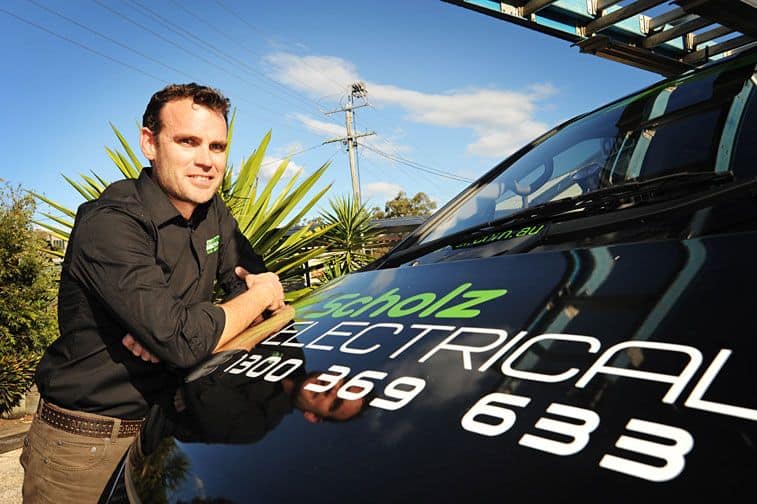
(16, 373)
(27, 296)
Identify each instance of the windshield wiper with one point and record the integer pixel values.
(612, 197)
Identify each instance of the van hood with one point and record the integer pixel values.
(605, 374)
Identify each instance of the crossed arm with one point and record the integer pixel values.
(133, 287)
(264, 294)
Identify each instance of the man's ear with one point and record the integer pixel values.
(148, 142)
(311, 417)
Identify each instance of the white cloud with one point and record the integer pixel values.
(380, 192)
(493, 142)
(502, 120)
(320, 127)
(271, 163)
(292, 147)
(332, 130)
(542, 90)
(317, 75)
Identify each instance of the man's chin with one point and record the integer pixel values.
(201, 197)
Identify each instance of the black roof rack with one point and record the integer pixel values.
(663, 36)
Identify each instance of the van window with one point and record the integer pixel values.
(744, 161)
(686, 125)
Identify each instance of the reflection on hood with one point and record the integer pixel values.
(224, 407)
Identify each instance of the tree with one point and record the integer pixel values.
(263, 217)
(27, 279)
(402, 206)
(28, 321)
(349, 236)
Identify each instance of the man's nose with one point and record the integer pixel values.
(203, 157)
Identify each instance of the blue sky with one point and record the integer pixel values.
(451, 90)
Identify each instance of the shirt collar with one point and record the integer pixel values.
(156, 202)
(160, 208)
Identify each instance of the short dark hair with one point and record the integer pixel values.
(202, 95)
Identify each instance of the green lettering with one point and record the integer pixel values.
(462, 310)
(449, 297)
(421, 301)
(332, 305)
(523, 232)
(389, 299)
(343, 311)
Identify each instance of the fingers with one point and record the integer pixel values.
(138, 350)
(267, 284)
(128, 341)
(270, 288)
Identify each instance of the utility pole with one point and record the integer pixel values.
(357, 91)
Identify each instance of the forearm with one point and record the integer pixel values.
(240, 312)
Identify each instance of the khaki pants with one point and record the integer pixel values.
(62, 468)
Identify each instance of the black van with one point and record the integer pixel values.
(574, 327)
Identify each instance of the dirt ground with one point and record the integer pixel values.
(11, 473)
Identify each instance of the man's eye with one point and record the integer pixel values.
(217, 147)
(186, 141)
(336, 404)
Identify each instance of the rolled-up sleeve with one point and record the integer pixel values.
(115, 261)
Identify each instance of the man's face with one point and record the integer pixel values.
(318, 405)
(189, 154)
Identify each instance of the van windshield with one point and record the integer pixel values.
(695, 124)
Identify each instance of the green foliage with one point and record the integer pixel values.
(264, 213)
(27, 279)
(349, 236)
(162, 471)
(16, 374)
(402, 206)
(332, 269)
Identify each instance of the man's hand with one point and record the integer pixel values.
(264, 295)
(266, 284)
(138, 350)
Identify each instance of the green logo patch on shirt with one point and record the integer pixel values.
(212, 244)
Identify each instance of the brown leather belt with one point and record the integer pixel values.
(86, 426)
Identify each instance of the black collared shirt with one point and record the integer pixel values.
(135, 265)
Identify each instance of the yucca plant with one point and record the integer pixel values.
(349, 237)
(265, 219)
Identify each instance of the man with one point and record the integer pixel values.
(134, 303)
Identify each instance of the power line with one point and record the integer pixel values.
(187, 35)
(101, 54)
(263, 35)
(417, 166)
(296, 153)
(198, 41)
(90, 49)
(83, 46)
(135, 51)
(416, 175)
(171, 42)
(239, 44)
